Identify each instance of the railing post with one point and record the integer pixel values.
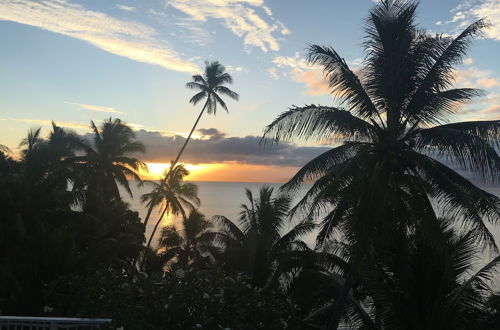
(53, 325)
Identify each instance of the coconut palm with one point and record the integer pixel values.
(31, 141)
(107, 161)
(257, 245)
(173, 194)
(210, 87)
(393, 134)
(443, 289)
(188, 245)
(4, 149)
(4, 158)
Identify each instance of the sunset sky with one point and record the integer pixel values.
(75, 61)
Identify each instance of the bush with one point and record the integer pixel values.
(208, 299)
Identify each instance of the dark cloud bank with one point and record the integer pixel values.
(216, 147)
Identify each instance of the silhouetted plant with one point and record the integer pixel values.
(380, 180)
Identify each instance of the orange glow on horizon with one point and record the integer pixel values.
(226, 172)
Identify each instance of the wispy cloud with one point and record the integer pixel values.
(197, 34)
(125, 38)
(48, 123)
(126, 8)
(471, 10)
(248, 19)
(98, 108)
(86, 126)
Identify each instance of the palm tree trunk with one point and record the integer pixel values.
(188, 138)
(150, 209)
(340, 302)
(156, 227)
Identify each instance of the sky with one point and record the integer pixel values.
(75, 61)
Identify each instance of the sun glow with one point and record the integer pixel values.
(157, 170)
(167, 220)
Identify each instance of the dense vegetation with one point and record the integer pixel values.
(383, 258)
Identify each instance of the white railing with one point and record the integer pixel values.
(50, 323)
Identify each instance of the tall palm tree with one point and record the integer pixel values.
(106, 160)
(210, 86)
(190, 244)
(257, 245)
(394, 136)
(173, 194)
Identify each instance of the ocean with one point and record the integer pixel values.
(225, 198)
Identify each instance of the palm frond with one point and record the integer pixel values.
(317, 123)
(468, 151)
(344, 83)
(226, 91)
(318, 167)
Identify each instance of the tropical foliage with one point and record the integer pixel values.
(397, 153)
(43, 234)
(191, 245)
(257, 246)
(383, 259)
(210, 87)
(172, 194)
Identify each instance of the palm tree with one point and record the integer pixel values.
(257, 245)
(443, 288)
(191, 244)
(31, 141)
(210, 86)
(393, 134)
(173, 193)
(4, 162)
(4, 149)
(106, 160)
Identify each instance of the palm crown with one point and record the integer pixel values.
(393, 130)
(107, 161)
(192, 243)
(173, 194)
(211, 87)
(257, 245)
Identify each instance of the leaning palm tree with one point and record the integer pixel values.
(257, 245)
(106, 160)
(210, 86)
(173, 194)
(192, 243)
(393, 130)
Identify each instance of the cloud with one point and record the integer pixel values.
(48, 123)
(241, 17)
(96, 108)
(474, 77)
(314, 80)
(125, 38)
(472, 10)
(488, 82)
(126, 8)
(299, 70)
(468, 61)
(197, 34)
(491, 112)
(232, 68)
(216, 147)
